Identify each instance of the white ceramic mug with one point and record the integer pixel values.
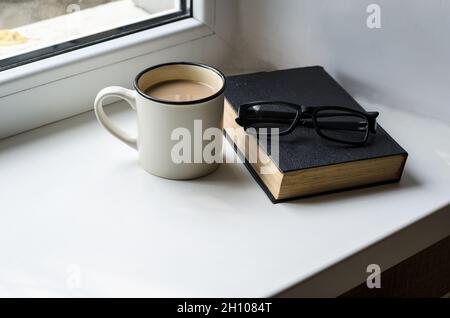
(157, 119)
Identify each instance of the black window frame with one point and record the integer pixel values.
(186, 11)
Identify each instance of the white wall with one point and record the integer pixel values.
(404, 64)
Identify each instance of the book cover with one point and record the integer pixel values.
(303, 150)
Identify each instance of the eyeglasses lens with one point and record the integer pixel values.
(343, 126)
(264, 118)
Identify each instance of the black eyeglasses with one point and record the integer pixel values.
(339, 124)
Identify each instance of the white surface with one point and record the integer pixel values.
(73, 198)
(404, 64)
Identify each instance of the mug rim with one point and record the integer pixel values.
(191, 102)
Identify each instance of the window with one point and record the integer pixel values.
(31, 30)
(60, 77)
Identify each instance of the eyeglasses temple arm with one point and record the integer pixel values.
(335, 125)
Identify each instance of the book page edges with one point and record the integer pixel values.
(312, 181)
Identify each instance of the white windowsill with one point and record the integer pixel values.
(73, 195)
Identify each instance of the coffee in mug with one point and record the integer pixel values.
(180, 90)
(172, 100)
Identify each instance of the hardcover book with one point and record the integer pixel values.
(307, 164)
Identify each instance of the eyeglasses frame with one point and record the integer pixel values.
(302, 111)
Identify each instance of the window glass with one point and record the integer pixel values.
(34, 29)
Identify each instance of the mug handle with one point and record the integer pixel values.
(115, 91)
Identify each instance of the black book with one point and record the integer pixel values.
(307, 164)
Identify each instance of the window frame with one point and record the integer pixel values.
(77, 44)
(38, 93)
